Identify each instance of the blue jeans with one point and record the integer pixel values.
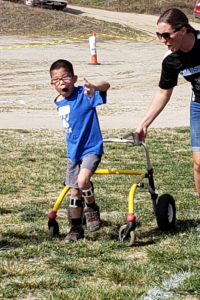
(195, 125)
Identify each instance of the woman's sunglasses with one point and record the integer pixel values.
(166, 35)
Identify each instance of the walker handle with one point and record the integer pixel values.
(134, 137)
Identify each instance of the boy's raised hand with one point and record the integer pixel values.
(89, 89)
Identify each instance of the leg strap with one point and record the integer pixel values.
(75, 202)
(88, 193)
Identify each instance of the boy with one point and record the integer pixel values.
(76, 106)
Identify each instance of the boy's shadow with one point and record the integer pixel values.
(155, 235)
(143, 237)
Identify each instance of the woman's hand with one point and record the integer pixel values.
(141, 133)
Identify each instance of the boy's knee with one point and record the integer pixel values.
(83, 183)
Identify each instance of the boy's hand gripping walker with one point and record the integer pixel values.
(163, 206)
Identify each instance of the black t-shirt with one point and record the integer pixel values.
(186, 64)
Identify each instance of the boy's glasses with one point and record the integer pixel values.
(166, 35)
(64, 78)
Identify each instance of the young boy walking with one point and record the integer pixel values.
(77, 110)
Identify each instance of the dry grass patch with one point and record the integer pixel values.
(18, 19)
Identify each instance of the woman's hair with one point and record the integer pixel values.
(62, 63)
(177, 19)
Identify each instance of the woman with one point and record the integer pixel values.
(183, 58)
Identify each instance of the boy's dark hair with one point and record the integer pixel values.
(177, 19)
(62, 63)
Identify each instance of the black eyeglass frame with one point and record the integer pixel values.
(65, 78)
(166, 35)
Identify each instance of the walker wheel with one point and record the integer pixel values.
(53, 228)
(166, 212)
(131, 237)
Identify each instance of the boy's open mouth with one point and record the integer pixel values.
(65, 90)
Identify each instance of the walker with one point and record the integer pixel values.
(163, 206)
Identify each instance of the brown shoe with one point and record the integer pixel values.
(76, 233)
(92, 216)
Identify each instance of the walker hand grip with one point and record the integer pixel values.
(134, 137)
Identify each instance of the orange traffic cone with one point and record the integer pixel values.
(92, 42)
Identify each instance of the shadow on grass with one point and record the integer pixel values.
(15, 240)
(5, 211)
(108, 232)
(155, 235)
(5, 244)
(184, 225)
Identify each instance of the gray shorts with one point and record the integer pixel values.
(90, 162)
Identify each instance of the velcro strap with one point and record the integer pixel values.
(75, 202)
(88, 193)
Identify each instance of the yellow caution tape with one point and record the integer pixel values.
(76, 38)
(128, 38)
(44, 44)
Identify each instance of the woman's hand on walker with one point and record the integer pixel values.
(141, 134)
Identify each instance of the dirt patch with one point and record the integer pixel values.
(132, 68)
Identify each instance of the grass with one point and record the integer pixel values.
(33, 164)
(35, 266)
(153, 7)
(18, 19)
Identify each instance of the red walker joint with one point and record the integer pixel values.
(52, 214)
(131, 217)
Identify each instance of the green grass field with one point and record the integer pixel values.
(100, 267)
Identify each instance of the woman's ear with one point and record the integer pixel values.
(183, 30)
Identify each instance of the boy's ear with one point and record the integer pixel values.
(75, 78)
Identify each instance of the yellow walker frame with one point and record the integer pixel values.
(163, 207)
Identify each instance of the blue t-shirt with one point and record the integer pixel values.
(81, 124)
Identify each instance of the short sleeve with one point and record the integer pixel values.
(98, 98)
(169, 74)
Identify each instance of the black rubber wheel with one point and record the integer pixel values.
(53, 232)
(53, 228)
(166, 212)
(130, 240)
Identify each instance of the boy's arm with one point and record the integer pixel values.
(90, 88)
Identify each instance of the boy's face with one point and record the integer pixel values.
(63, 81)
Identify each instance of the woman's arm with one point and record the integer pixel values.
(157, 105)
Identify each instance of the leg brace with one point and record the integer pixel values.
(88, 193)
(75, 202)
